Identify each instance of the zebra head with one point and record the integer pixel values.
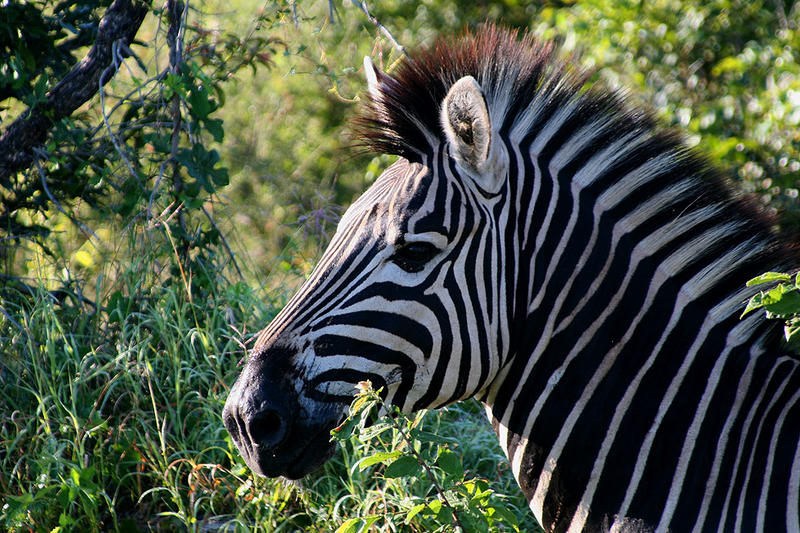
(408, 294)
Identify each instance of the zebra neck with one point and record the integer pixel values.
(639, 364)
(630, 351)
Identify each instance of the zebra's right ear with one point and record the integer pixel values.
(467, 126)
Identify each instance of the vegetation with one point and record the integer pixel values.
(781, 301)
(166, 181)
(411, 461)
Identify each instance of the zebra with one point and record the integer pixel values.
(544, 246)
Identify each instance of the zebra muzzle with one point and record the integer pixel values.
(276, 434)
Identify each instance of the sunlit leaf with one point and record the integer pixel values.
(402, 467)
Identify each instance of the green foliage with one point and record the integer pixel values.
(400, 453)
(36, 41)
(138, 159)
(782, 301)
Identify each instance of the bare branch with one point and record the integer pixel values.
(363, 7)
(88, 232)
(176, 13)
(114, 140)
(119, 24)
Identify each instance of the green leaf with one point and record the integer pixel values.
(345, 430)
(756, 302)
(783, 304)
(374, 430)
(352, 525)
(435, 506)
(445, 514)
(199, 102)
(478, 497)
(380, 457)
(200, 164)
(768, 277)
(75, 476)
(404, 466)
(369, 520)
(792, 330)
(505, 515)
(474, 521)
(214, 127)
(414, 511)
(450, 463)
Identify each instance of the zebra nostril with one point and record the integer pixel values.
(267, 428)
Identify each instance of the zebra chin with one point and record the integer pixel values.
(275, 432)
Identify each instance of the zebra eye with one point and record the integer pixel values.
(412, 256)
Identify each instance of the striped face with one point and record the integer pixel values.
(401, 297)
(408, 295)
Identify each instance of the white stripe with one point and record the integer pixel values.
(740, 446)
(690, 439)
(722, 441)
(542, 487)
(748, 453)
(746, 485)
(689, 291)
(793, 505)
(768, 471)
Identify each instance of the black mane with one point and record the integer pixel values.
(515, 71)
(511, 70)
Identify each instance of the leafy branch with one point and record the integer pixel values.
(781, 301)
(459, 501)
(115, 32)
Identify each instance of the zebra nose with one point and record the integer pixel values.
(258, 420)
(266, 428)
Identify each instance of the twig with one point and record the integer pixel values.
(138, 89)
(363, 6)
(75, 221)
(111, 135)
(19, 327)
(176, 13)
(155, 188)
(224, 241)
(431, 476)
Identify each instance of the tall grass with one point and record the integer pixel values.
(111, 421)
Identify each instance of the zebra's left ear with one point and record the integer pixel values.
(468, 127)
(374, 77)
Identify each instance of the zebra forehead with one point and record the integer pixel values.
(403, 116)
(388, 197)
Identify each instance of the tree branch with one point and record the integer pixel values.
(363, 7)
(120, 23)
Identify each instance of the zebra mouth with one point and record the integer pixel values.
(278, 432)
(295, 459)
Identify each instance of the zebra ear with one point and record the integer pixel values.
(466, 123)
(374, 77)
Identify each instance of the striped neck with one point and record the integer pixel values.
(631, 280)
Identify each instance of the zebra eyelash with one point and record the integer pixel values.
(413, 256)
